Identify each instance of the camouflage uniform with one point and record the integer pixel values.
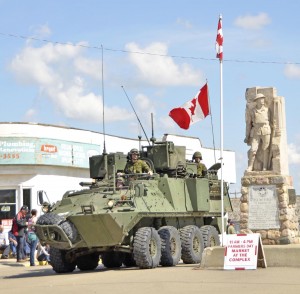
(201, 169)
(231, 229)
(137, 167)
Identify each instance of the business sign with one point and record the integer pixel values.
(244, 251)
(41, 151)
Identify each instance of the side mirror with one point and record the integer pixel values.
(40, 197)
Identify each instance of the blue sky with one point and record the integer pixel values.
(50, 65)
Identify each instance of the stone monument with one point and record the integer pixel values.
(268, 201)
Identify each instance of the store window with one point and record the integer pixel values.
(7, 204)
(27, 198)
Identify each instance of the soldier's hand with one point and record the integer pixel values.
(120, 174)
(150, 172)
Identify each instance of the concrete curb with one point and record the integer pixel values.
(276, 256)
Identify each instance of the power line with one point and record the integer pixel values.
(146, 53)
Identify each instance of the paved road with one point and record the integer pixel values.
(180, 279)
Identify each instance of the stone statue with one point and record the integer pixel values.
(258, 133)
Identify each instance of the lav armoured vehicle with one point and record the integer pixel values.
(136, 219)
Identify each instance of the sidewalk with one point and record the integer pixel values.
(13, 262)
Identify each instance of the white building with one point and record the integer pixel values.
(55, 159)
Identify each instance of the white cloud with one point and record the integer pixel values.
(294, 153)
(29, 115)
(253, 22)
(161, 70)
(89, 67)
(42, 31)
(183, 22)
(292, 71)
(144, 103)
(61, 73)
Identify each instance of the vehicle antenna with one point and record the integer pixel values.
(153, 139)
(136, 115)
(103, 122)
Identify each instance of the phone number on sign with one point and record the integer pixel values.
(10, 156)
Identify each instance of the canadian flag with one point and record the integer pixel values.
(192, 111)
(219, 40)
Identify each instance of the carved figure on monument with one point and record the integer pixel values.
(258, 134)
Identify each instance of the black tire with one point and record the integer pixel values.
(170, 246)
(54, 219)
(58, 262)
(192, 244)
(88, 262)
(129, 260)
(112, 259)
(210, 236)
(146, 248)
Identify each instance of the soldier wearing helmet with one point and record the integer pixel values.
(201, 168)
(136, 165)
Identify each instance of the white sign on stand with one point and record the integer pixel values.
(244, 251)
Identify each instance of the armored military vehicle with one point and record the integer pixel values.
(136, 219)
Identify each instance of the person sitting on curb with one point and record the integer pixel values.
(3, 244)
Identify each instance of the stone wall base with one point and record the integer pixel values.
(288, 231)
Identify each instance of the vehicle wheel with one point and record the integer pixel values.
(87, 262)
(170, 246)
(112, 259)
(129, 260)
(210, 236)
(146, 248)
(54, 219)
(192, 244)
(59, 263)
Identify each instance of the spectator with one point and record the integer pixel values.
(12, 243)
(3, 244)
(19, 225)
(31, 235)
(43, 252)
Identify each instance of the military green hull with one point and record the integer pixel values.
(147, 221)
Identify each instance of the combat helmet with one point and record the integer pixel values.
(197, 154)
(134, 151)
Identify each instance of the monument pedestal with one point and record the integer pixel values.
(268, 207)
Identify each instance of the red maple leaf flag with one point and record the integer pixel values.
(219, 40)
(192, 111)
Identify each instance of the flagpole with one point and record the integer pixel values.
(221, 151)
(219, 47)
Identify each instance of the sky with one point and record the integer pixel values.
(155, 53)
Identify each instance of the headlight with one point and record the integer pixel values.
(110, 203)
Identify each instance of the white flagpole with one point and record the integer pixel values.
(221, 151)
(220, 54)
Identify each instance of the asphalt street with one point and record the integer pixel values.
(15, 278)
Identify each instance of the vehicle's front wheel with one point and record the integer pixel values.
(59, 263)
(147, 248)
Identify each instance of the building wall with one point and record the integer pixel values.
(55, 159)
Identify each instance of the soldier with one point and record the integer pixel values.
(136, 165)
(258, 131)
(201, 168)
(231, 229)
